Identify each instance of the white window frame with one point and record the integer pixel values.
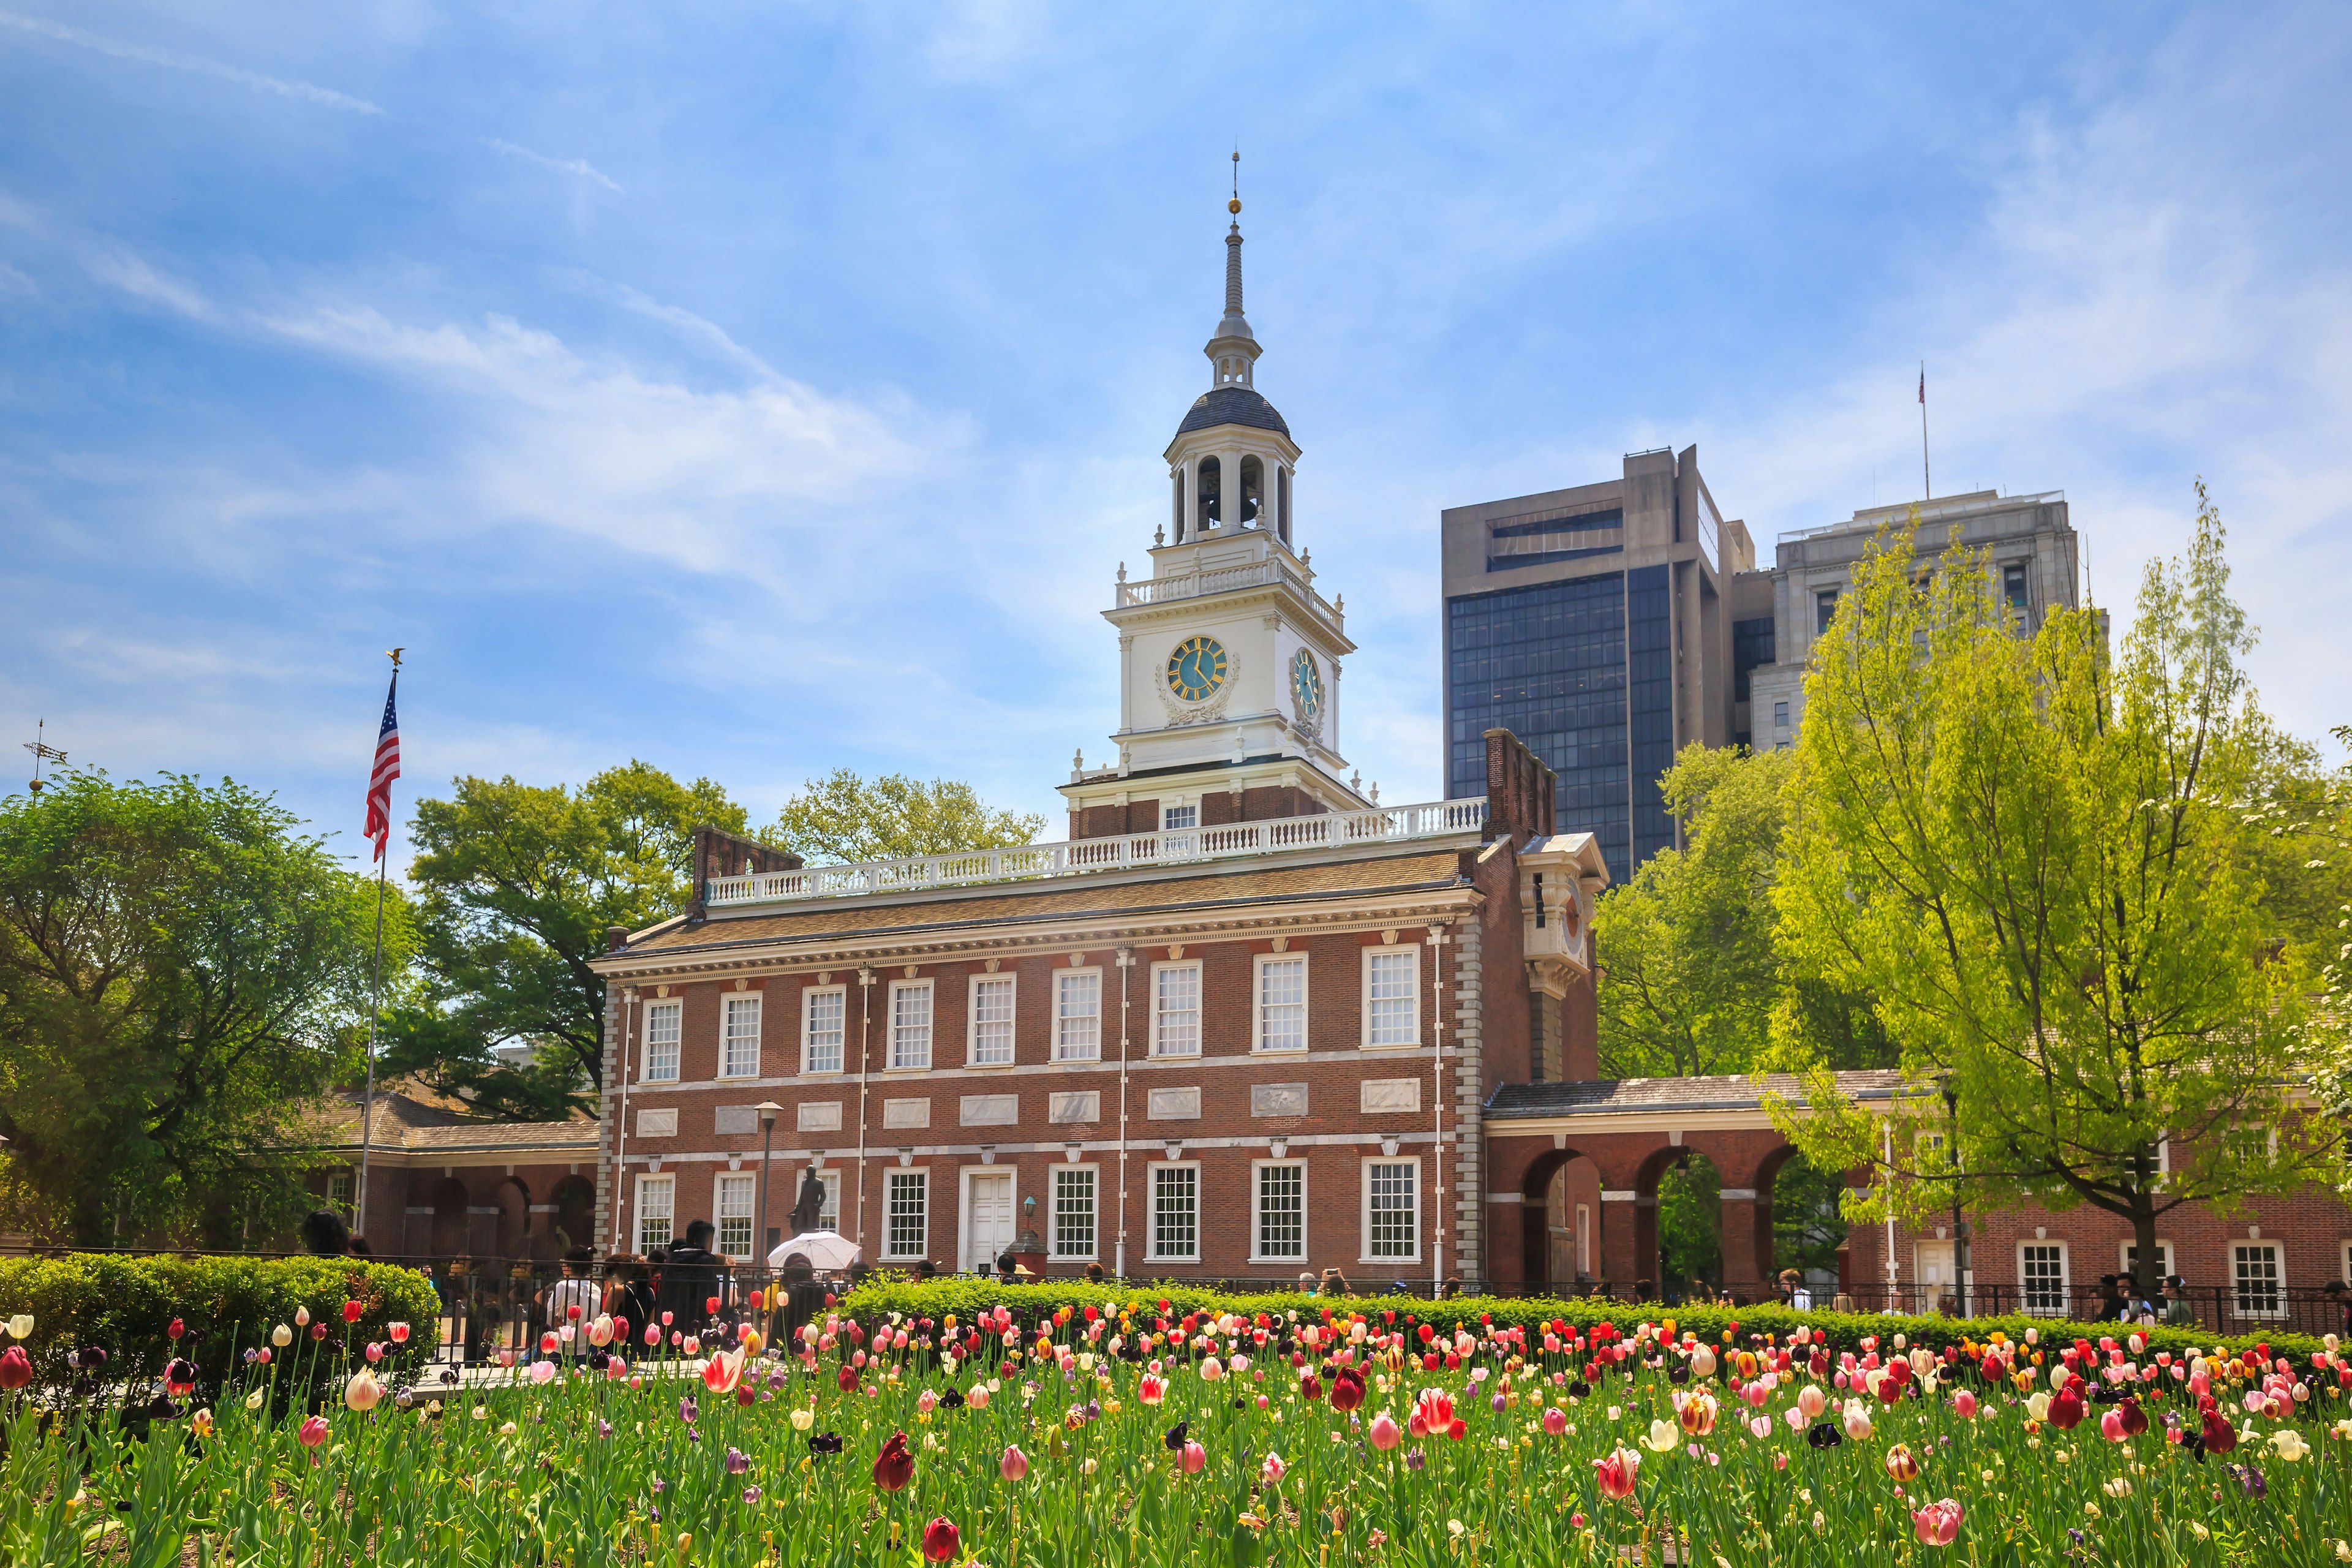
(1168, 810)
(655, 1067)
(1584, 1240)
(2237, 1295)
(1151, 1211)
(741, 1187)
(2344, 1255)
(666, 1185)
(810, 995)
(1258, 1003)
(979, 983)
(342, 1186)
(1419, 1206)
(895, 1179)
(1412, 949)
(1170, 967)
(1258, 1253)
(2065, 1280)
(1054, 1248)
(729, 1004)
(901, 1060)
(2163, 1251)
(1064, 1049)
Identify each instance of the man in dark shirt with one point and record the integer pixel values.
(690, 1276)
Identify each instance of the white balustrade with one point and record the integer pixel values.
(1223, 579)
(1184, 845)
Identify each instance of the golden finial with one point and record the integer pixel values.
(1236, 205)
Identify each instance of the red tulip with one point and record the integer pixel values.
(15, 1368)
(710, 1306)
(1347, 1389)
(941, 1541)
(351, 1311)
(894, 1467)
(313, 1432)
(1617, 1472)
(2219, 1434)
(399, 1333)
(2066, 1410)
(176, 1329)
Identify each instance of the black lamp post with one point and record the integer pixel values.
(1962, 1264)
(769, 1111)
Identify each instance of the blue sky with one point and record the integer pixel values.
(762, 389)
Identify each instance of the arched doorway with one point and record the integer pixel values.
(1690, 1226)
(575, 1212)
(449, 1200)
(1808, 1227)
(514, 1218)
(1560, 1220)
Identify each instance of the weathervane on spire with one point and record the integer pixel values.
(1234, 206)
(42, 752)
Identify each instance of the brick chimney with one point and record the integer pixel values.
(1520, 790)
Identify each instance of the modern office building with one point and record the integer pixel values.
(1593, 624)
(1610, 625)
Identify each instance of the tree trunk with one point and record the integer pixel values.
(2148, 1279)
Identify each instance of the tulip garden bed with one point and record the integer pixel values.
(1128, 1432)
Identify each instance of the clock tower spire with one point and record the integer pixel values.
(1229, 658)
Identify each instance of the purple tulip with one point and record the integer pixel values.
(738, 1462)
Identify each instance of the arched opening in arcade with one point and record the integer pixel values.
(1690, 1227)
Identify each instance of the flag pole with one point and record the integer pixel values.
(1926, 479)
(375, 992)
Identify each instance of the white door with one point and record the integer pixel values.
(989, 1228)
(1937, 1273)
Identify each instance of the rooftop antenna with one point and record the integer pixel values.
(42, 752)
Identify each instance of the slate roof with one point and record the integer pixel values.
(1604, 1097)
(412, 1123)
(1060, 898)
(1232, 406)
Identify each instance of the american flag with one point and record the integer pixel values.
(387, 768)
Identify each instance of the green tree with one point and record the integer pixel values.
(842, 818)
(182, 976)
(2032, 857)
(1692, 969)
(516, 885)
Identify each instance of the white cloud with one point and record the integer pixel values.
(580, 167)
(307, 93)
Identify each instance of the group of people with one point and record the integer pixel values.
(2125, 1301)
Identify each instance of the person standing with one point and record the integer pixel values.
(691, 1278)
(574, 1298)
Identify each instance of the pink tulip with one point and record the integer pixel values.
(374, 1351)
(1383, 1431)
(2111, 1426)
(1937, 1523)
(926, 1402)
(1270, 1471)
(1760, 1425)
(1194, 1458)
(542, 1372)
(653, 1335)
(979, 1397)
(506, 1358)
(1014, 1465)
(1964, 1405)
(616, 1369)
(399, 1333)
(1811, 1401)
(313, 1432)
(1617, 1473)
(1554, 1421)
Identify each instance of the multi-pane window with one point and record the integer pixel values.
(1176, 1010)
(1174, 817)
(656, 1203)
(1078, 1014)
(661, 1041)
(1282, 1004)
(1281, 1212)
(1176, 1211)
(828, 1214)
(1074, 1211)
(1824, 611)
(2163, 1261)
(1393, 1209)
(1392, 996)
(2258, 1278)
(739, 1039)
(992, 1021)
(1649, 706)
(339, 1191)
(734, 1204)
(2041, 1277)
(906, 1198)
(2012, 592)
(823, 1013)
(910, 1024)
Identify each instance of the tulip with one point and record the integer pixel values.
(1964, 1405)
(1194, 1457)
(978, 1397)
(1617, 1473)
(1698, 1415)
(201, 1422)
(616, 1369)
(1900, 1463)
(352, 1311)
(15, 1368)
(722, 1371)
(940, 1541)
(2037, 1407)
(2288, 1444)
(1347, 1390)
(1701, 1363)
(1937, 1523)
(399, 1333)
(1383, 1431)
(281, 1336)
(1554, 1421)
(1012, 1466)
(2066, 1410)
(1212, 1370)
(1662, 1439)
(1270, 1471)
(21, 1325)
(542, 1372)
(313, 1432)
(1811, 1401)
(363, 1393)
(301, 1317)
(1857, 1422)
(894, 1467)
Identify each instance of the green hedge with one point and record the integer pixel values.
(125, 1305)
(1844, 1331)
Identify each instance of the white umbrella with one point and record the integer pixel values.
(828, 1252)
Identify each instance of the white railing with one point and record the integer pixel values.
(1076, 857)
(1223, 579)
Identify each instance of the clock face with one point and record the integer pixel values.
(1196, 669)
(1306, 684)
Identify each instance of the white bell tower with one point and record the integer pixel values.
(1229, 660)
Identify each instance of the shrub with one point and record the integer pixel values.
(1842, 1330)
(124, 1306)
